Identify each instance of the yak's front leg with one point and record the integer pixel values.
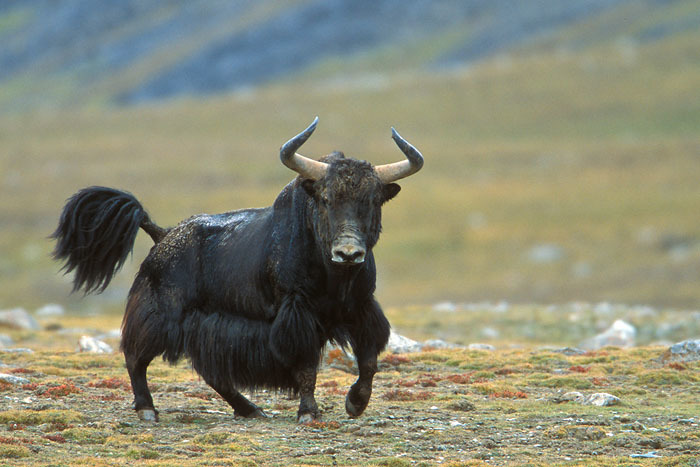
(308, 409)
(358, 397)
(369, 339)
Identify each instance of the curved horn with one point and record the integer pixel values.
(391, 172)
(307, 168)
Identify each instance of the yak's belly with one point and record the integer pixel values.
(232, 264)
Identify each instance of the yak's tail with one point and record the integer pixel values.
(96, 232)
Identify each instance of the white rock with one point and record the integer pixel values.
(401, 344)
(439, 344)
(13, 379)
(18, 318)
(5, 341)
(477, 346)
(601, 399)
(620, 334)
(50, 309)
(445, 307)
(545, 253)
(686, 351)
(90, 344)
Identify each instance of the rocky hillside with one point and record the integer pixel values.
(91, 52)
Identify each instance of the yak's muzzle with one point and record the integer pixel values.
(348, 254)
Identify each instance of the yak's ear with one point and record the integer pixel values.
(390, 190)
(308, 185)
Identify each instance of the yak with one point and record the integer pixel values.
(250, 296)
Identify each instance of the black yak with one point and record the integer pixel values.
(250, 297)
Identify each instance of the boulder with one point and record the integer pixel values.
(13, 379)
(401, 344)
(686, 351)
(50, 310)
(18, 318)
(90, 344)
(620, 334)
(600, 399)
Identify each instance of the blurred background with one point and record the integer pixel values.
(561, 138)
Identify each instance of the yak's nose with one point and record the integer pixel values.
(348, 254)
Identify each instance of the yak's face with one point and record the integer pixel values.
(347, 214)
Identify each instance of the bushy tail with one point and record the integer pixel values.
(96, 232)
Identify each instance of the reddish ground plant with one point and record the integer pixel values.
(600, 381)
(676, 366)
(111, 383)
(57, 438)
(579, 369)
(507, 394)
(61, 390)
(464, 378)
(396, 360)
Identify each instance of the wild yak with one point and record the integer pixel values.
(251, 296)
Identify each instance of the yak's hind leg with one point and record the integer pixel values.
(146, 333)
(368, 339)
(242, 407)
(143, 401)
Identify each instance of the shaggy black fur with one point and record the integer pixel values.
(250, 296)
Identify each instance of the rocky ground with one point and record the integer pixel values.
(467, 405)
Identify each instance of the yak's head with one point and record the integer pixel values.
(348, 195)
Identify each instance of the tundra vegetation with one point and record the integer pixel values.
(450, 407)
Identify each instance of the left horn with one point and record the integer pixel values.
(307, 168)
(391, 172)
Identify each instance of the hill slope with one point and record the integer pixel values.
(63, 53)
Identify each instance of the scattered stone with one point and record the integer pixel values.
(90, 344)
(600, 399)
(112, 334)
(648, 455)
(439, 344)
(401, 344)
(5, 341)
(620, 334)
(545, 253)
(18, 318)
(50, 310)
(569, 351)
(16, 350)
(445, 307)
(478, 346)
(13, 379)
(686, 351)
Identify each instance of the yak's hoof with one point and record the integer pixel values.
(147, 415)
(257, 413)
(352, 409)
(307, 418)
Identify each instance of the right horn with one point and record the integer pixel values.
(397, 170)
(307, 168)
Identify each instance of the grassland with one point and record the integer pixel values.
(594, 153)
(447, 407)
